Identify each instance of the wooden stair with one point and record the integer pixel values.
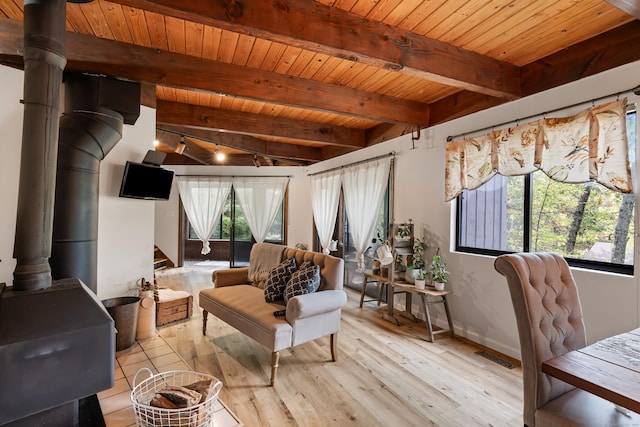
(160, 260)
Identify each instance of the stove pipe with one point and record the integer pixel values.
(95, 110)
(44, 62)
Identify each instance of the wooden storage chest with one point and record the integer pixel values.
(170, 309)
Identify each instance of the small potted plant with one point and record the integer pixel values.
(417, 260)
(421, 278)
(438, 272)
(403, 231)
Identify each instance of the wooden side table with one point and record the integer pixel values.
(440, 297)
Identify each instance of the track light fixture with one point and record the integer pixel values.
(181, 145)
(256, 163)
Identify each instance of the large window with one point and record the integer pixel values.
(590, 225)
(222, 230)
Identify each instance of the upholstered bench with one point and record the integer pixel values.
(238, 299)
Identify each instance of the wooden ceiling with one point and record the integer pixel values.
(287, 82)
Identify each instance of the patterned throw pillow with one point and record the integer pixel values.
(304, 281)
(277, 280)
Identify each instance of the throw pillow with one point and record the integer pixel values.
(277, 280)
(303, 281)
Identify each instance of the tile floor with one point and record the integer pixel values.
(156, 355)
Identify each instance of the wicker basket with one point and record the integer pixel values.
(200, 415)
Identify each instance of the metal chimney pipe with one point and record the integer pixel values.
(96, 108)
(44, 62)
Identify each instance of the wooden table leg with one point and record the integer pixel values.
(427, 316)
(448, 312)
(389, 314)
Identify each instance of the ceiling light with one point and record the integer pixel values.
(256, 163)
(181, 146)
(220, 156)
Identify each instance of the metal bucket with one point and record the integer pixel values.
(124, 312)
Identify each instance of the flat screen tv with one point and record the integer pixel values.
(145, 181)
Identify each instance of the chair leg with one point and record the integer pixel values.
(275, 358)
(205, 314)
(334, 347)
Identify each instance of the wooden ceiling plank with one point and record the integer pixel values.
(301, 63)
(211, 42)
(176, 37)
(243, 50)
(419, 14)
(157, 31)
(382, 9)
(258, 53)
(75, 15)
(137, 25)
(138, 63)
(116, 21)
(97, 21)
(632, 7)
(309, 25)
(564, 28)
(612, 49)
(228, 43)
(403, 9)
(511, 14)
(255, 124)
(446, 9)
(194, 38)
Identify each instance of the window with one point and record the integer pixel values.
(222, 231)
(590, 225)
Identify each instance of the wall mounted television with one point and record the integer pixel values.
(146, 181)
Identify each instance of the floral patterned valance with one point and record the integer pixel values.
(592, 145)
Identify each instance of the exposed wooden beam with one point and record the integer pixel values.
(142, 64)
(250, 144)
(191, 150)
(385, 132)
(332, 31)
(256, 124)
(608, 50)
(632, 7)
(461, 104)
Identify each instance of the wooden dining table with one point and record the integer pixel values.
(609, 368)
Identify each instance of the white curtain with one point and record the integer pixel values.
(325, 194)
(260, 198)
(203, 199)
(364, 186)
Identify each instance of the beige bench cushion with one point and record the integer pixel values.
(244, 308)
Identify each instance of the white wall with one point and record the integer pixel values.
(11, 112)
(299, 221)
(125, 226)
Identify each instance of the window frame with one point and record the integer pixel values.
(626, 269)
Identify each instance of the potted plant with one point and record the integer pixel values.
(417, 260)
(438, 271)
(421, 278)
(403, 231)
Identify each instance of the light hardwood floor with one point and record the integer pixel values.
(385, 375)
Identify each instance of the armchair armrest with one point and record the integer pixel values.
(310, 305)
(229, 277)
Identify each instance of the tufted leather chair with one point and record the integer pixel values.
(549, 317)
